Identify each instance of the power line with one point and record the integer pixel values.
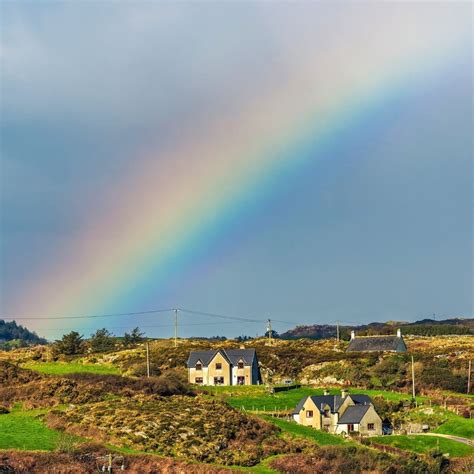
(146, 326)
(153, 311)
(222, 316)
(89, 316)
(236, 318)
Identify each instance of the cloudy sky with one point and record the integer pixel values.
(306, 162)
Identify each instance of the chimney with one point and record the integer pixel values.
(399, 332)
(353, 335)
(326, 392)
(344, 393)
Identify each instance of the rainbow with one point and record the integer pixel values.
(177, 201)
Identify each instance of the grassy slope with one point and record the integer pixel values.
(423, 444)
(320, 437)
(257, 398)
(24, 430)
(62, 368)
(457, 426)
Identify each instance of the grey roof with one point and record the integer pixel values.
(361, 399)
(353, 414)
(299, 406)
(334, 402)
(232, 355)
(376, 343)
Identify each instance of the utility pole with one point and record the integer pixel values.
(413, 379)
(269, 330)
(176, 328)
(337, 331)
(469, 378)
(147, 360)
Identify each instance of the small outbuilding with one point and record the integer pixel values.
(377, 343)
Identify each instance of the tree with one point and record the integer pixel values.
(70, 344)
(135, 337)
(275, 335)
(102, 341)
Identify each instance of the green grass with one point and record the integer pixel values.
(63, 368)
(262, 468)
(256, 398)
(25, 430)
(320, 437)
(423, 444)
(457, 426)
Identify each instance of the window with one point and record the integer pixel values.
(199, 366)
(370, 426)
(350, 428)
(326, 412)
(218, 380)
(309, 413)
(240, 365)
(198, 380)
(240, 380)
(218, 366)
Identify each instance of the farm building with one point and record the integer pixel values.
(339, 414)
(223, 367)
(377, 343)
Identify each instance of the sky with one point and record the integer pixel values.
(304, 162)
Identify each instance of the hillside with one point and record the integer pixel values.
(60, 410)
(13, 335)
(424, 327)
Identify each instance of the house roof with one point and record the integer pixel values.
(353, 414)
(375, 343)
(334, 402)
(361, 399)
(232, 355)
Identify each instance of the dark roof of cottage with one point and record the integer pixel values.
(375, 343)
(353, 414)
(361, 399)
(333, 401)
(232, 355)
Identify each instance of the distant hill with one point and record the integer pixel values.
(424, 327)
(13, 335)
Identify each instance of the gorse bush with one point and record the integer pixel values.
(195, 428)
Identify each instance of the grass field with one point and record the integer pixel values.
(24, 430)
(457, 426)
(64, 368)
(256, 397)
(320, 437)
(423, 444)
